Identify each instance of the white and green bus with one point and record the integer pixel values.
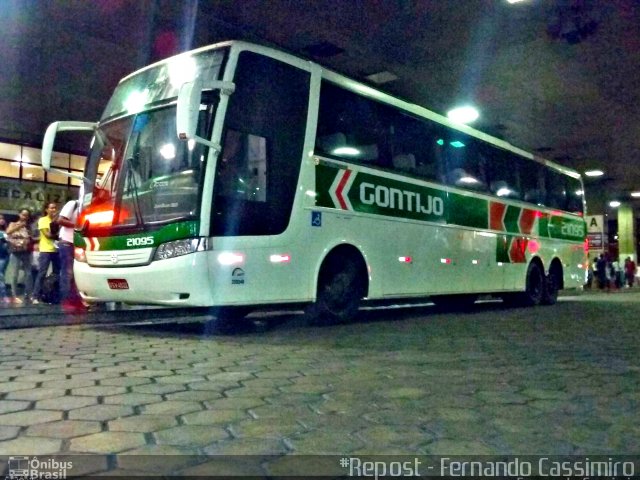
(238, 176)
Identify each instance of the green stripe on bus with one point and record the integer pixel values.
(350, 189)
(511, 217)
(467, 211)
(325, 175)
(502, 249)
(167, 233)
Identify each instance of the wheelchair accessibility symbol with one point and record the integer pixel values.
(316, 219)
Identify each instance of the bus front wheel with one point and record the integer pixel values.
(340, 289)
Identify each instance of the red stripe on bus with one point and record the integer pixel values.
(496, 216)
(526, 221)
(341, 185)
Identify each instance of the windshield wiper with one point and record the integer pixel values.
(132, 188)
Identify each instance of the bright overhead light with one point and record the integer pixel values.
(466, 114)
(168, 151)
(346, 151)
(515, 1)
(594, 173)
(382, 77)
(635, 194)
(614, 204)
(468, 180)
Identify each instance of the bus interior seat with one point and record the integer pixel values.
(498, 185)
(427, 170)
(533, 196)
(405, 162)
(456, 175)
(366, 153)
(329, 143)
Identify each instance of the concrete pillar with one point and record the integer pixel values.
(626, 234)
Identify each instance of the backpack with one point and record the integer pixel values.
(50, 290)
(4, 245)
(54, 228)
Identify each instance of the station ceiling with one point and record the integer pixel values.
(558, 78)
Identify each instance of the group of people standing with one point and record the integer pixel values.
(610, 274)
(55, 250)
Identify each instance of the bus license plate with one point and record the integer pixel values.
(118, 284)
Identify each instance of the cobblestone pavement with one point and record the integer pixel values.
(547, 380)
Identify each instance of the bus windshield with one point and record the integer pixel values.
(142, 174)
(139, 173)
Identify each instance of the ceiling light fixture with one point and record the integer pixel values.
(594, 173)
(465, 114)
(635, 194)
(381, 77)
(614, 204)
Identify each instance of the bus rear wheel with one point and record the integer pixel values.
(535, 287)
(551, 286)
(340, 289)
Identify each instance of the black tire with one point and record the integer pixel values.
(551, 286)
(340, 290)
(535, 288)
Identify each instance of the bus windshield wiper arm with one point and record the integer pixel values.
(132, 188)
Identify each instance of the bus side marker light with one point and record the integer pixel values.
(533, 246)
(280, 258)
(230, 258)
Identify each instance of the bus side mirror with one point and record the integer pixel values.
(50, 138)
(187, 109)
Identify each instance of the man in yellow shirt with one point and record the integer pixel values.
(48, 252)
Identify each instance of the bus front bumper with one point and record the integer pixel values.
(179, 281)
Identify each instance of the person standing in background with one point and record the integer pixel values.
(630, 271)
(4, 260)
(20, 242)
(69, 297)
(48, 252)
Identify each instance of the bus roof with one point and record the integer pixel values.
(368, 91)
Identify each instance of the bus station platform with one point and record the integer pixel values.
(175, 399)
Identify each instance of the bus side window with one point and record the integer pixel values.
(412, 146)
(405, 162)
(532, 180)
(556, 189)
(465, 167)
(502, 173)
(575, 195)
(353, 128)
(264, 138)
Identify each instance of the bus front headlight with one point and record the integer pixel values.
(178, 248)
